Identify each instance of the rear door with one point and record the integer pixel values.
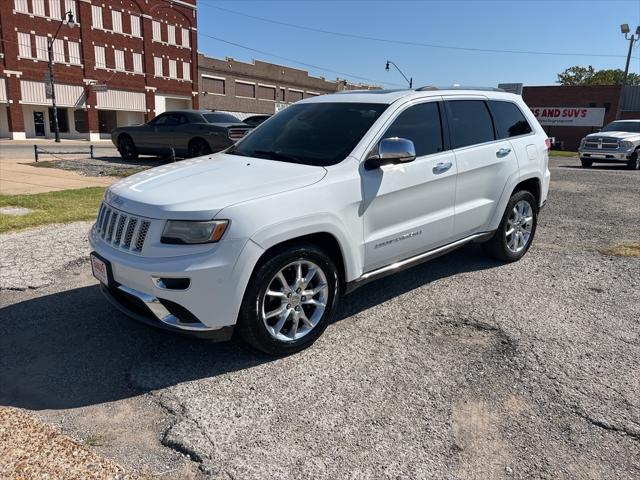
(484, 162)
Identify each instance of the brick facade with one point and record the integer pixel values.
(90, 54)
(258, 87)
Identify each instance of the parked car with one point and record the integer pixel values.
(255, 120)
(191, 133)
(618, 142)
(331, 193)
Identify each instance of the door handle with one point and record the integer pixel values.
(442, 167)
(503, 152)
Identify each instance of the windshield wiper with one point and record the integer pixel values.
(277, 155)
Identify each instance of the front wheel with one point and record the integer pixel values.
(198, 148)
(513, 237)
(634, 161)
(586, 163)
(290, 300)
(127, 148)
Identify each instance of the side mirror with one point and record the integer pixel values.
(391, 151)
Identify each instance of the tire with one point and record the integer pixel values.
(634, 161)
(503, 246)
(198, 148)
(127, 148)
(586, 163)
(275, 335)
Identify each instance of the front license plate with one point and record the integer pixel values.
(100, 271)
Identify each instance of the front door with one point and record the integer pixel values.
(408, 208)
(38, 124)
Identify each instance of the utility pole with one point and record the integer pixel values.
(70, 21)
(624, 28)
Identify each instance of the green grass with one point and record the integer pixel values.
(562, 153)
(51, 207)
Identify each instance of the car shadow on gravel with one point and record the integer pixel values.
(613, 167)
(71, 349)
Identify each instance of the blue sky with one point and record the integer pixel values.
(588, 26)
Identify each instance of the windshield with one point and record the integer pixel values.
(319, 134)
(622, 127)
(220, 118)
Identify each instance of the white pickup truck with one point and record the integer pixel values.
(328, 194)
(618, 142)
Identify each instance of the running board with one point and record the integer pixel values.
(413, 261)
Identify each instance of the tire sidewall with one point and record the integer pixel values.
(123, 153)
(250, 321)
(515, 198)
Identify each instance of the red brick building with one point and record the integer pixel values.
(603, 97)
(143, 51)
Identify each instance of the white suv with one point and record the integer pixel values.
(330, 193)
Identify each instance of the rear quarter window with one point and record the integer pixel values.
(510, 121)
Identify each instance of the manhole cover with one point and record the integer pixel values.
(17, 211)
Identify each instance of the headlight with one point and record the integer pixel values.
(582, 142)
(626, 145)
(193, 232)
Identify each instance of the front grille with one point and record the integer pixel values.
(602, 143)
(237, 133)
(122, 230)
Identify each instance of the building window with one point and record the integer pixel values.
(156, 31)
(295, 95)
(185, 37)
(607, 106)
(81, 120)
(41, 48)
(63, 120)
(213, 85)
(38, 7)
(173, 69)
(171, 34)
(54, 9)
(119, 57)
(70, 5)
(186, 71)
(21, 6)
(137, 63)
(74, 52)
(24, 45)
(58, 51)
(283, 94)
(135, 25)
(266, 92)
(96, 16)
(116, 21)
(245, 89)
(157, 66)
(100, 57)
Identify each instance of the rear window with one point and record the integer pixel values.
(470, 122)
(220, 118)
(509, 119)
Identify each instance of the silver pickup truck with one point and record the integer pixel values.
(617, 142)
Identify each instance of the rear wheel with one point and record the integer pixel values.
(127, 148)
(513, 237)
(198, 148)
(634, 161)
(586, 163)
(290, 300)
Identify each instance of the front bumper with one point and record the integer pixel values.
(605, 155)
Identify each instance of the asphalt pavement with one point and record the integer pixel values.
(459, 368)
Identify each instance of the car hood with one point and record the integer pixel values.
(631, 136)
(197, 189)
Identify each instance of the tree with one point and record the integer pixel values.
(578, 75)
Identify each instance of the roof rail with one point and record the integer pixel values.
(485, 89)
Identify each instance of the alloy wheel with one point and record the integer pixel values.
(519, 226)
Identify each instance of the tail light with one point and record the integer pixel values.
(547, 143)
(236, 134)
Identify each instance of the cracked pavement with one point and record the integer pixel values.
(459, 368)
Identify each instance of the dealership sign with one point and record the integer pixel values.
(569, 116)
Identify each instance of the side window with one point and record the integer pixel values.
(167, 120)
(509, 119)
(470, 122)
(183, 119)
(421, 125)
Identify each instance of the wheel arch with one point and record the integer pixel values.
(531, 183)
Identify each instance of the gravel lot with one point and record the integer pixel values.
(459, 368)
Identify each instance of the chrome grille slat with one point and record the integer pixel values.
(122, 230)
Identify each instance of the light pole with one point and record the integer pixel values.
(624, 28)
(409, 80)
(69, 17)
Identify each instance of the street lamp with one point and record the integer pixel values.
(71, 23)
(409, 80)
(624, 28)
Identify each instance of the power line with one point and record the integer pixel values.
(406, 42)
